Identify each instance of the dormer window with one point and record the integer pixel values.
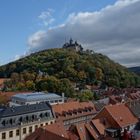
(20, 119)
(3, 122)
(41, 115)
(33, 117)
(64, 113)
(27, 118)
(11, 121)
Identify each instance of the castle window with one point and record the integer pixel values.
(10, 134)
(36, 126)
(3, 136)
(17, 132)
(30, 129)
(24, 130)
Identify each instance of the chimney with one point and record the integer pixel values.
(63, 97)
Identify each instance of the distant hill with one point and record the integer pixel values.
(135, 69)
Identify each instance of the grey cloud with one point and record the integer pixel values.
(114, 31)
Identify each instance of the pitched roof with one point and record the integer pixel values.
(59, 108)
(72, 135)
(82, 132)
(42, 134)
(2, 80)
(8, 95)
(101, 124)
(58, 129)
(50, 132)
(135, 107)
(19, 110)
(92, 131)
(86, 131)
(121, 114)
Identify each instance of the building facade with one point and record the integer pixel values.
(18, 122)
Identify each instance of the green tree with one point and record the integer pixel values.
(66, 87)
(30, 85)
(86, 96)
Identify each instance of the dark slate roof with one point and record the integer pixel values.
(135, 108)
(99, 106)
(25, 109)
(137, 127)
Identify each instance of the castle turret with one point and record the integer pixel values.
(73, 46)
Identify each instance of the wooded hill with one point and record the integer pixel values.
(54, 67)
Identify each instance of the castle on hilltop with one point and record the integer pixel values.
(73, 46)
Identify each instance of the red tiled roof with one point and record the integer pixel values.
(92, 131)
(58, 129)
(72, 135)
(70, 110)
(82, 132)
(59, 108)
(119, 115)
(8, 95)
(50, 132)
(42, 134)
(2, 80)
(101, 124)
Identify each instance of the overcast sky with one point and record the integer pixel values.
(111, 28)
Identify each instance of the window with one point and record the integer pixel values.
(30, 129)
(17, 132)
(10, 134)
(3, 122)
(3, 136)
(36, 126)
(128, 127)
(46, 123)
(24, 130)
(41, 124)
